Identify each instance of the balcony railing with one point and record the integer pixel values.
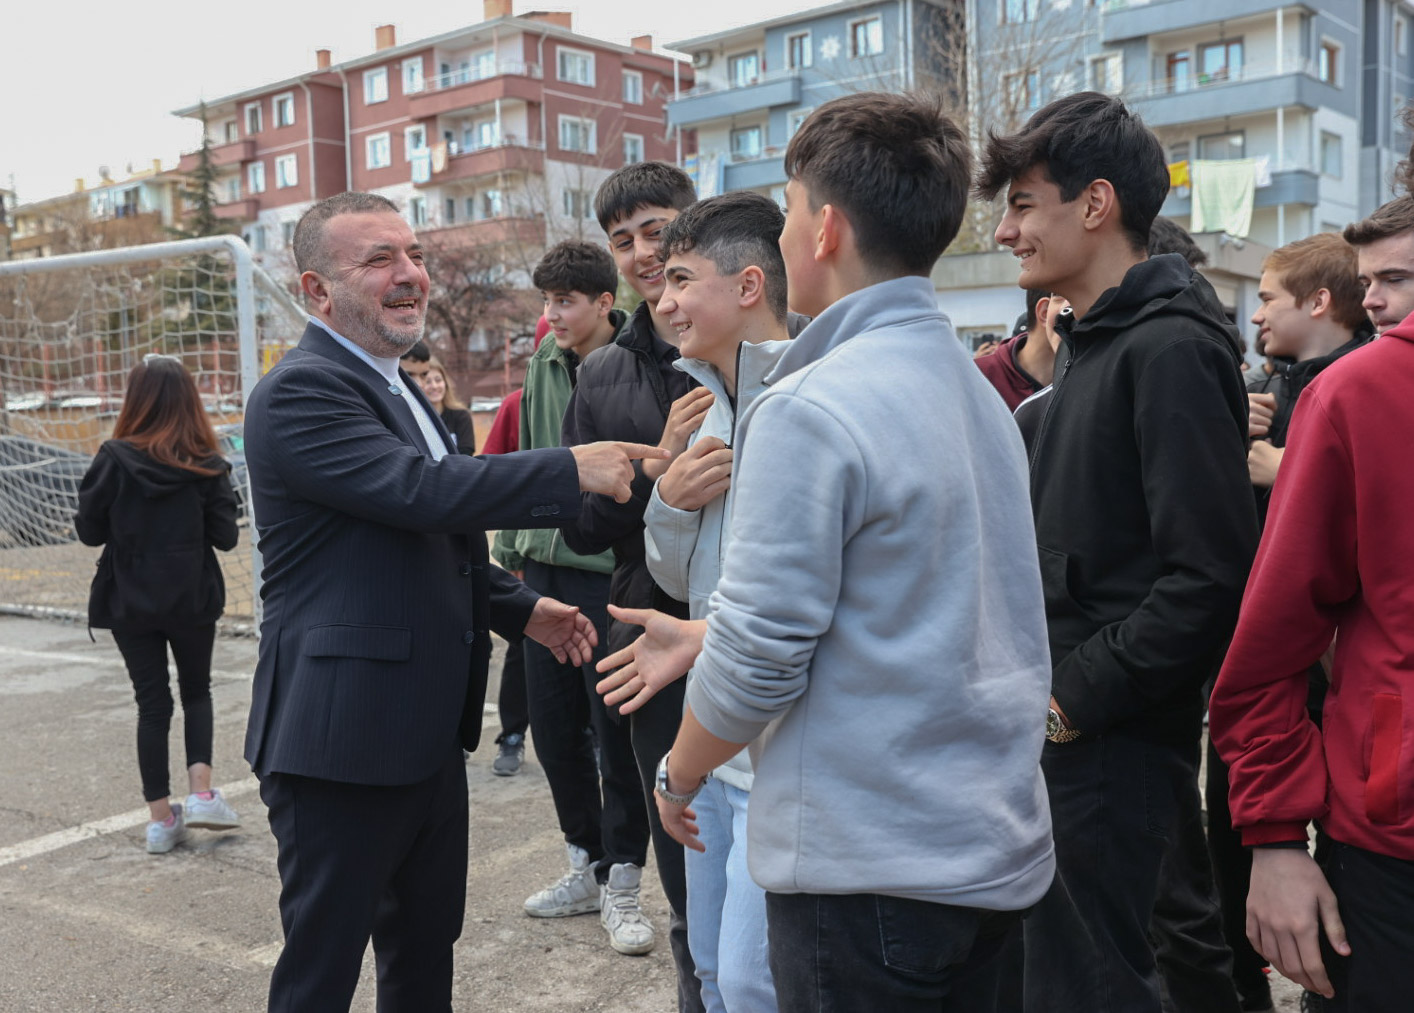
(1159, 87)
(709, 88)
(468, 75)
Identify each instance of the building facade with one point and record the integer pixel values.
(137, 208)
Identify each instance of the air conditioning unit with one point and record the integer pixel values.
(702, 59)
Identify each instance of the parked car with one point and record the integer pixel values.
(39, 491)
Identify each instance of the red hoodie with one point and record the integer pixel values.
(1001, 369)
(1337, 553)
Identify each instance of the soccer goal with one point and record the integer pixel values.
(71, 329)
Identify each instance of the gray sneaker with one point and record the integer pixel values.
(621, 915)
(510, 756)
(214, 813)
(577, 892)
(162, 838)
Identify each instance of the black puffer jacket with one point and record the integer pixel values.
(1144, 511)
(158, 525)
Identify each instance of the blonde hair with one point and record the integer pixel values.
(449, 399)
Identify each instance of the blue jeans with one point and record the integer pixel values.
(726, 910)
(866, 953)
(1114, 800)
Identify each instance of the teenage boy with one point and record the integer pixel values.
(726, 298)
(606, 836)
(871, 592)
(1335, 559)
(1022, 365)
(1145, 525)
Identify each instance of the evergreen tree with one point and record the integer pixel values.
(200, 193)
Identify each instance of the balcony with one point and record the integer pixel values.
(756, 173)
(1136, 19)
(464, 89)
(1257, 89)
(479, 162)
(708, 102)
(1291, 186)
(233, 153)
(528, 233)
(237, 210)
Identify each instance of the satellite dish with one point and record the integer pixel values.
(105, 173)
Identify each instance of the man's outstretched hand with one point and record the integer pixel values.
(607, 467)
(664, 652)
(562, 628)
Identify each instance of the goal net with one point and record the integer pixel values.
(71, 330)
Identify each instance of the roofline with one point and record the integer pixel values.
(392, 52)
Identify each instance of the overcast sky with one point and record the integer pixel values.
(84, 85)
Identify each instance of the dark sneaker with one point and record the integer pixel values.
(510, 756)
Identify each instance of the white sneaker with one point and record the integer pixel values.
(576, 893)
(620, 914)
(214, 813)
(162, 838)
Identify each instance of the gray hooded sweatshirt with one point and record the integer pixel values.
(878, 629)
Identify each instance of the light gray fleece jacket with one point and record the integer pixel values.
(685, 547)
(879, 620)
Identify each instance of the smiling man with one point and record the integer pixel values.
(1145, 524)
(378, 601)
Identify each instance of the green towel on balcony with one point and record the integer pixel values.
(1222, 195)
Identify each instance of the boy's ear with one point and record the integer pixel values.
(1100, 204)
(1320, 303)
(833, 228)
(604, 303)
(751, 287)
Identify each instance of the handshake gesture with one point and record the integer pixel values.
(607, 467)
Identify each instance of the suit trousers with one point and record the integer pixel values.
(359, 861)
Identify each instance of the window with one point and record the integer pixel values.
(633, 148)
(449, 211)
(287, 233)
(233, 189)
(483, 65)
(412, 76)
(866, 38)
(284, 106)
(286, 171)
(469, 208)
(795, 118)
(233, 132)
(480, 135)
(746, 144)
(1180, 71)
(1332, 157)
(255, 238)
(1219, 146)
(1015, 12)
(491, 204)
(254, 121)
(798, 50)
(375, 86)
(1220, 61)
(255, 177)
(1178, 152)
(577, 204)
(575, 66)
(414, 140)
(577, 135)
(417, 211)
(743, 69)
(1328, 64)
(1401, 35)
(633, 87)
(1106, 73)
(376, 148)
(1024, 89)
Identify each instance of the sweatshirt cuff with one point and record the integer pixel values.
(1260, 834)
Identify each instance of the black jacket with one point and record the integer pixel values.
(1144, 513)
(458, 423)
(158, 525)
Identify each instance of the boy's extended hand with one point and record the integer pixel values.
(684, 417)
(1289, 905)
(565, 630)
(698, 475)
(664, 652)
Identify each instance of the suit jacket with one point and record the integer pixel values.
(378, 591)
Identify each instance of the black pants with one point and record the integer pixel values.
(1376, 897)
(863, 952)
(359, 861)
(1232, 872)
(601, 810)
(511, 703)
(145, 654)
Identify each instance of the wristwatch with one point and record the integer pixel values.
(1056, 731)
(660, 785)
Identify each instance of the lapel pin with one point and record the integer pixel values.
(395, 390)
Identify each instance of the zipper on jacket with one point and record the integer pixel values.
(1050, 407)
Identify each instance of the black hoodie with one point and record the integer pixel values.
(1144, 512)
(158, 525)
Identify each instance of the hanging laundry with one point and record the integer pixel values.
(1223, 191)
(1262, 171)
(439, 156)
(1178, 174)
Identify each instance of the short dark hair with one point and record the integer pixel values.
(1389, 219)
(576, 266)
(642, 185)
(895, 165)
(1167, 236)
(1033, 299)
(1076, 140)
(419, 352)
(734, 231)
(309, 233)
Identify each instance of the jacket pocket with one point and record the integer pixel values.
(1055, 583)
(346, 640)
(1386, 740)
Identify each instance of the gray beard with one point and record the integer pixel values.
(382, 340)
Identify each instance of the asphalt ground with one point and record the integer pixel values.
(90, 922)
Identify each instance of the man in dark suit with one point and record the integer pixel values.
(378, 600)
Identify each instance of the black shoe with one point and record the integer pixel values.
(510, 756)
(1313, 1002)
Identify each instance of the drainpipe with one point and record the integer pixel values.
(309, 118)
(677, 90)
(348, 132)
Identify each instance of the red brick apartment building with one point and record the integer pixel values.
(501, 131)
